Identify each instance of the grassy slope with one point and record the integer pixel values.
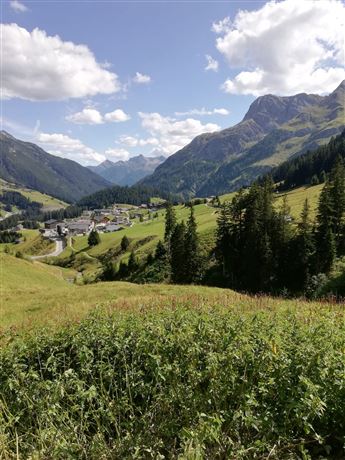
(33, 293)
(179, 372)
(48, 202)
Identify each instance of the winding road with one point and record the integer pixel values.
(58, 250)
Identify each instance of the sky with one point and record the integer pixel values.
(96, 80)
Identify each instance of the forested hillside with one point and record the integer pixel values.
(312, 167)
(28, 165)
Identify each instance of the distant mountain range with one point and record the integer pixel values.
(127, 172)
(28, 165)
(273, 130)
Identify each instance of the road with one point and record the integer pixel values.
(58, 250)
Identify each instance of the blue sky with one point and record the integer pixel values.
(153, 75)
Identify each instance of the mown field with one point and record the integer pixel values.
(121, 371)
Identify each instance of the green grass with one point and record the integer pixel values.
(297, 197)
(48, 202)
(34, 294)
(180, 373)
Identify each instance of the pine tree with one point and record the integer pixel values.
(337, 196)
(170, 221)
(223, 239)
(124, 243)
(160, 252)
(109, 271)
(303, 251)
(177, 251)
(281, 238)
(326, 245)
(93, 238)
(132, 263)
(192, 255)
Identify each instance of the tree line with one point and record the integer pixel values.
(259, 249)
(310, 168)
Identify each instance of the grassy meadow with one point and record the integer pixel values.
(122, 371)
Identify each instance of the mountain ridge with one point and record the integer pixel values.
(27, 164)
(127, 172)
(274, 129)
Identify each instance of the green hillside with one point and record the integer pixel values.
(155, 371)
(48, 202)
(30, 166)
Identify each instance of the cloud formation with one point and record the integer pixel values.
(87, 116)
(41, 67)
(117, 154)
(171, 134)
(141, 78)
(116, 116)
(17, 6)
(285, 47)
(131, 141)
(212, 64)
(64, 146)
(202, 112)
(222, 26)
(90, 116)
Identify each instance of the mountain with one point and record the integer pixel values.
(127, 172)
(28, 165)
(273, 130)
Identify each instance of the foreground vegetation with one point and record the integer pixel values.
(234, 378)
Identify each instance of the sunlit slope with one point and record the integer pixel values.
(34, 294)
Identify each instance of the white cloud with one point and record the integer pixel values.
(116, 116)
(17, 6)
(212, 64)
(90, 116)
(87, 116)
(41, 67)
(131, 141)
(286, 47)
(117, 154)
(172, 134)
(222, 26)
(67, 147)
(141, 78)
(203, 111)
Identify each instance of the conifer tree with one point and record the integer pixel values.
(124, 243)
(160, 252)
(93, 238)
(326, 246)
(177, 251)
(303, 251)
(132, 262)
(192, 256)
(337, 196)
(170, 222)
(223, 239)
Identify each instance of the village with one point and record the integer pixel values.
(105, 220)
